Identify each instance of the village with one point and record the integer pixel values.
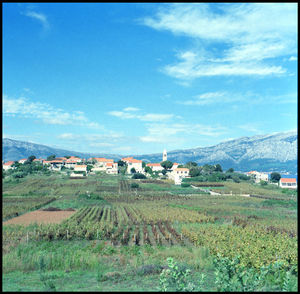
(81, 168)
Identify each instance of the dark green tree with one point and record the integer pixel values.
(51, 157)
(164, 171)
(143, 164)
(133, 171)
(275, 177)
(167, 164)
(148, 170)
(190, 164)
(31, 158)
(230, 170)
(194, 172)
(218, 168)
(121, 163)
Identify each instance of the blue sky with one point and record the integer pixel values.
(137, 78)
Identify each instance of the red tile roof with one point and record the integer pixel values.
(134, 161)
(288, 180)
(126, 158)
(153, 164)
(104, 160)
(9, 163)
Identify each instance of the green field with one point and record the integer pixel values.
(120, 237)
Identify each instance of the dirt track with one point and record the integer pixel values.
(40, 217)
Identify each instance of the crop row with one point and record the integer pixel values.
(254, 246)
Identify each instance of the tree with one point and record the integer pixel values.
(67, 156)
(218, 168)
(167, 164)
(275, 177)
(89, 167)
(121, 163)
(148, 170)
(143, 164)
(138, 176)
(133, 171)
(164, 171)
(230, 170)
(194, 172)
(31, 158)
(191, 164)
(51, 157)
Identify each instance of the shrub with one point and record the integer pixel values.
(176, 278)
(185, 185)
(139, 176)
(134, 185)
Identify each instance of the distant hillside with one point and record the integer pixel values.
(16, 150)
(276, 152)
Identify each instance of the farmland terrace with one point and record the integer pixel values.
(118, 236)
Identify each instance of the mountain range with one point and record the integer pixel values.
(273, 152)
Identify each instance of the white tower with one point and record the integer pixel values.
(164, 155)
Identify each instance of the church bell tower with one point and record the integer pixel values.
(164, 155)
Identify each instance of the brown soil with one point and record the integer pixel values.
(40, 217)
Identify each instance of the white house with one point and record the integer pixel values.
(155, 166)
(133, 163)
(178, 174)
(175, 165)
(112, 168)
(8, 165)
(22, 160)
(80, 168)
(258, 176)
(70, 163)
(288, 183)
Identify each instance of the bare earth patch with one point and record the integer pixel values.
(40, 217)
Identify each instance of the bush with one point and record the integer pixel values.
(139, 176)
(185, 185)
(134, 185)
(177, 278)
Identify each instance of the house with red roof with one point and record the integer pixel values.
(290, 183)
(133, 163)
(155, 166)
(22, 160)
(8, 165)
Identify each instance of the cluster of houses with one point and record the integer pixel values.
(283, 182)
(79, 168)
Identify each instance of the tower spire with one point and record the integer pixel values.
(164, 155)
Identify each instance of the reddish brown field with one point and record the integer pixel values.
(40, 217)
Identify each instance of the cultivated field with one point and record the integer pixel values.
(120, 237)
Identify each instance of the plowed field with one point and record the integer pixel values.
(40, 217)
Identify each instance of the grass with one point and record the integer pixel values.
(95, 265)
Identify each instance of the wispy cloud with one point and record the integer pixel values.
(148, 117)
(40, 17)
(211, 98)
(166, 133)
(293, 58)
(230, 39)
(48, 114)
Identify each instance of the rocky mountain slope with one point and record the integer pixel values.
(275, 152)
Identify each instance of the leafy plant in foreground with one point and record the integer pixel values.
(177, 279)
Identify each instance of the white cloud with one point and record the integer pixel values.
(230, 39)
(173, 133)
(45, 112)
(211, 98)
(42, 18)
(293, 58)
(143, 117)
(131, 109)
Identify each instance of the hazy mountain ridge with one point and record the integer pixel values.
(275, 152)
(16, 150)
